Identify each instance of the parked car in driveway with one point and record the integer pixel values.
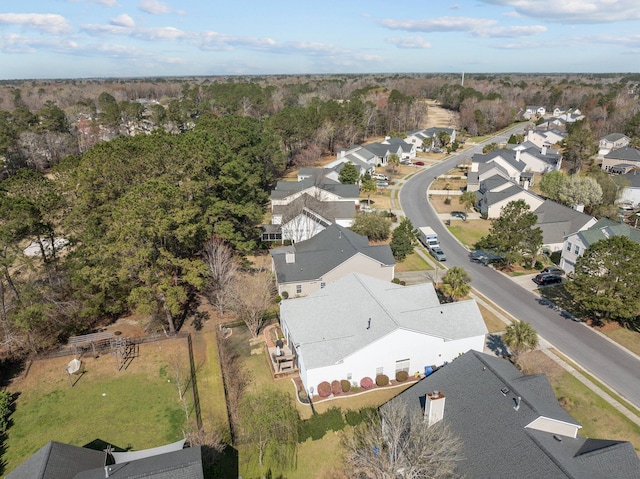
(381, 177)
(438, 254)
(418, 163)
(405, 162)
(544, 279)
(553, 270)
(382, 183)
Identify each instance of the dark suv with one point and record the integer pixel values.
(544, 279)
(553, 270)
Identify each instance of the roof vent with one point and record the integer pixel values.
(504, 391)
(517, 400)
(557, 438)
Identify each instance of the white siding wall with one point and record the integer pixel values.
(420, 349)
(532, 201)
(569, 255)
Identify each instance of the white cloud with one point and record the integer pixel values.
(631, 41)
(12, 43)
(159, 33)
(414, 42)
(155, 7)
(104, 3)
(44, 22)
(576, 11)
(511, 32)
(123, 20)
(93, 29)
(441, 24)
(211, 41)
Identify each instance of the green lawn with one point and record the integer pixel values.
(137, 408)
(627, 338)
(598, 418)
(413, 262)
(469, 232)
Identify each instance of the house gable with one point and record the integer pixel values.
(511, 425)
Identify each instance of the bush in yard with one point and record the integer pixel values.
(317, 425)
(336, 387)
(402, 376)
(382, 380)
(366, 383)
(353, 418)
(345, 385)
(324, 389)
(5, 410)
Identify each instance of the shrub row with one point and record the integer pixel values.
(325, 389)
(331, 420)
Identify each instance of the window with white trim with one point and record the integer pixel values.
(379, 371)
(298, 288)
(402, 365)
(569, 246)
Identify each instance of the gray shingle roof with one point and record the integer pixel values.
(495, 436)
(287, 188)
(324, 252)
(183, 464)
(56, 460)
(329, 210)
(330, 324)
(556, 221)
(626, 153)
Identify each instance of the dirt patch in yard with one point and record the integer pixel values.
(441, 117)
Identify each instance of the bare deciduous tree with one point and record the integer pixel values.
(398, 443)
(251, 296)
(223, 269)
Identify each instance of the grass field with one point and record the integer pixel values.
(469, 232)
(413, 262)
(138, 408)
(598, 418)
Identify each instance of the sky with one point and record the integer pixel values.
(150, 38)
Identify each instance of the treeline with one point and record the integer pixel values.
(136, 212)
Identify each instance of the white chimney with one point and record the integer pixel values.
(544, 150)
(434, 408)
(290, 257)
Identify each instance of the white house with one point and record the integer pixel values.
(418, 137)
(575, 244)
(544, 137)
(621, 160)
(533, 111)
(361, 326)
(301, 209)
(612, 141)
(630, 192)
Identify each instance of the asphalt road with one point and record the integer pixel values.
(606, 361)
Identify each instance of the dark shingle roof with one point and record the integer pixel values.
(329, 210)
(626, 153)
(323, 252)
(481, 392)
(182, 464)
(287, 188)
(56, 460)
(556, 221)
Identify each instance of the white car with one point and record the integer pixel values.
(378, 176)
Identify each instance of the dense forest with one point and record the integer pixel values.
(119, 183)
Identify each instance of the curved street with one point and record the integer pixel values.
(606, 361)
